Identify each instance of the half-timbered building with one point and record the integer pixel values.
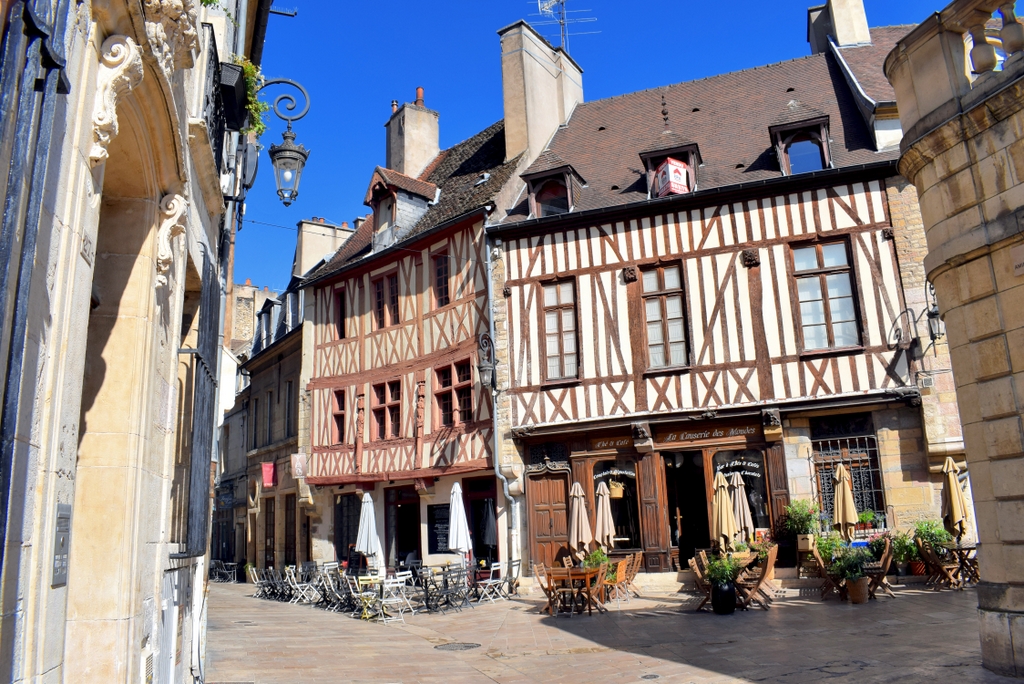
(725, 275)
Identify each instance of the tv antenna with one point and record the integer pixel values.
(554, 12)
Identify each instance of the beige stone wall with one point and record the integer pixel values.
(965, 155)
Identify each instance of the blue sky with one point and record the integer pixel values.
(354, 58)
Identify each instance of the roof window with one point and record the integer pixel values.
(802, 147)
(671, 171)
(553, 191)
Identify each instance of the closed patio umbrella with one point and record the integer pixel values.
(723, 520)
(579, 524)
(954, 505)
(844, 510)
(367, 541)
(604, 531)
(740, 508)
(458, 525)
(490, 525)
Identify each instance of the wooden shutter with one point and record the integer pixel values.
(778, 481)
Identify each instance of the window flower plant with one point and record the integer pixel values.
(802, 520)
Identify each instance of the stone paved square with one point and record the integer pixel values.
(921, 636)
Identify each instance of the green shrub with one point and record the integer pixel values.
(932, 531)
(595, 558)
(904, 549)
(849, 563)
(865, 517)
(802, 517)
(740, 546)
(828, 545)
(723, 569)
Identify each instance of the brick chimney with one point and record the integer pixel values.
(541, 85)
(412, 137)
(844, 20)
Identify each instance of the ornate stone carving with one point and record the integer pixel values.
(771, 418)
(172, 224)
(171, 31)
(629, 274)
(120, 71)
(888, 233)
(506, 291)
(751, 258)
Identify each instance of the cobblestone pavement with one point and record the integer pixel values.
(921, 636)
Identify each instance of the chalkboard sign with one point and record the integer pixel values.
(437, 528)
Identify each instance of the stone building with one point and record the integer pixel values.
(114, 147)
(665, 320)
(959, 84)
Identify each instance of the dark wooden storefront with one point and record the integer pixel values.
(662, 491)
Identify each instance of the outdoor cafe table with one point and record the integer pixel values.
(962, 553)
(587, 576)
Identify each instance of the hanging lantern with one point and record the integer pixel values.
(615, 490)
(288, 160)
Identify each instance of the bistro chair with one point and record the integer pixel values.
(567, 561)
(620, 588)
(541, 577)
(877, 575)
(512, 579)
(828, 583)
(750, 590)
(701, 584)
(944, 572)
(493, 587)
(393, 602)
(302, 591)
(633, 571)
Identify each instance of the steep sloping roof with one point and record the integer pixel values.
(728, 116)
(400, 180)
(458, 172)
(866, 61)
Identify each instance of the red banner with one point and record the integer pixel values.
(268, 474)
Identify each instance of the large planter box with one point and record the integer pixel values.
(233, 93)
(805, 543)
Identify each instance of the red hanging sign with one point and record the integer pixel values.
(268, 474)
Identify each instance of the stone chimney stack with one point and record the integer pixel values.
(844, 20)
(412, 137)
(317, 238)
(541, 86)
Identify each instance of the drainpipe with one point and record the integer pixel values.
(513, 526)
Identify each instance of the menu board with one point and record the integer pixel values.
(437, 528)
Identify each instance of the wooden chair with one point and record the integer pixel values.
(620, 588)
(673, 559)
(567, 561)
(945, 573)
(633, 570)
(751, 591)
(701, 584)
(828, 585)
(878, 576)
(599, 588)
(541, 578)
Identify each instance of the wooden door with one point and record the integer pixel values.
(269, 524)
(653, 512)
(547, 497)
(778, 481)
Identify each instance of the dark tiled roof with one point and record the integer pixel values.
(407, 183)
(547, 161)
(456, 171)
(866, 61)
(728, 116)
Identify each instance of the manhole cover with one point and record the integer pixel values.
(650, 676)
(456, 646)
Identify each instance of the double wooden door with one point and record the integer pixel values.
(547, 496)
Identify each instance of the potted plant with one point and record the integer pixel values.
(904, 551)
(865, 520)
(722, 573)
(876, 543)
(801, 520)
(828, 546)
(849, 566)
(761, 548)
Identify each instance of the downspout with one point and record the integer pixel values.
(513, 526)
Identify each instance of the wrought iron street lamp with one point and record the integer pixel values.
(488, 362)
(288, 158)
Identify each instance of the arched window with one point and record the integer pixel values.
(804, 153)
(552, 198)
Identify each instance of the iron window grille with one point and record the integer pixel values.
(213, 99)
(859, 455)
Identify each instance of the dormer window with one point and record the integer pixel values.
(553, 191)
(802, 147)
(671, 170)
(552, 198)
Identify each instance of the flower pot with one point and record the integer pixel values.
(902, 569)
(804, 542)
(917, 567)
(858, 590)
(723, 598)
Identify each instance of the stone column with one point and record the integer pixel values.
(963, 148)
